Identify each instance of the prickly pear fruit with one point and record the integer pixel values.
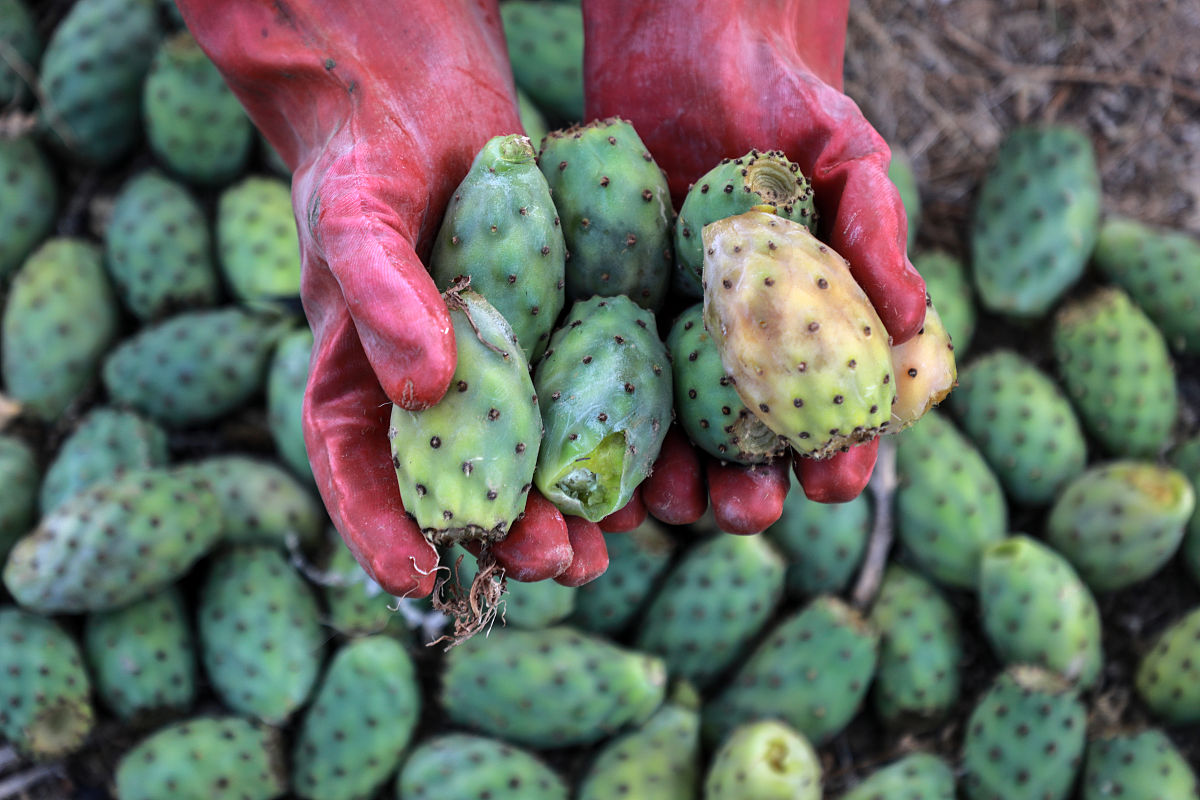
(45, 705)
(636, 560)
(901, 171)
(19, 475)
(354, 604)
(1119, 522)
(28, 196)
(707, 406)
(261, 502)
(764, 760)
(364, 713)
(799, 339)
(615, 209)
(604, 386)
(217, 758)
(545, 49)
(925, 371)
(1117, 372)
(1024, 738)
(552, 687)
(949, 287)
(463, 765)
(533, 121)
(257, 244)
(823, 543)
(735, 186)
(1186, 458)
(1136, 765)
(525, 605)
(1167, 679)
(114, 542)
(501, 230)
(1036, 610)
(919, 776)
(1036, 221)
(466, 464)
(59, 320)
(18, 31)
(287, 375)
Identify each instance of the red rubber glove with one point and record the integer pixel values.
(379, 108)
(709, 79)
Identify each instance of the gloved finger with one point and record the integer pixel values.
(627, 517)
(537, 546)
(746, 499)
(674, 492)
(590, 553)
(838, 479)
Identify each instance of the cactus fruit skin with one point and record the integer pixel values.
(59, 320)
(261, 501)
(1022, 423)
(92, 72)
(548, 688)
(605, 390)
(823, 543)
(1166, 678)
(1136, 765)
(1160, 269)
(1119, 522)
(29, 191)
(501, 229)
(158, 248)
(216, 758)
(615, 209)
(1036, 221)
(142, 656)
(545, 49)
(920, 649)
(287, 376)
(18, 31)
(258, 247)
(636, 560)
(105, 546)
(707, 406)
(466, 464)
(465, 765)
(764, 760)
(1024, 738)
(1117, 372)
(1186, 458)
(712, 603)
(194, 123)
(901, 171)
(354, 604)
(46, 710)
(799, 339)
(261, 641)
(732, 187)
(20, 477)
(949, 504)
(925, 369)
(537, 604)
(919, 776)
(361, 720)
(812, 671)
(1037, 610)
(949, 287)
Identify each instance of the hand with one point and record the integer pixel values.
(702, 81)
(379, 108)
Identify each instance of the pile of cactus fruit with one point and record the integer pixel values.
(1011, 610)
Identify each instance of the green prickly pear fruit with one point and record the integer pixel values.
(919, 650)
(551, 687)
(59, 320)
(949, 504)
(707, 406)
(812, 671)
(354, 604)
(258, 247)
(1036, 221)
(1022, 423)
(1186, 458)
(949, 287)
(501, 230)
(194, 124)
(524, 605)
(108, 545)
(735, 186)
(261, 501)
(105, 444)
(287, 376)
(215, 758)
(533, 121)
(21, 41)
(142, 656)
(1119, 522)
(1024, 738)
(158, 248)
(261, 640)
(28, 195)
(711, 605)
(1136, 765)
(1036, 610)
(823, 543)
(902, 174)
(194, 367)
(1117, 372)
(545, 48)
(1160, 269)
(45, 701)
(466, 464)
(925, 370)
(615, 208)
(799, 339)
(463, 765)
(604, 386)
(636, 560)
(1167, 679)
(20, 476)
(91, 75)
(658, 760)
(764, 760)
(919, 776)
(361, 720)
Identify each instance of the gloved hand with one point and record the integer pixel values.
(379, 108)
(710, 79)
